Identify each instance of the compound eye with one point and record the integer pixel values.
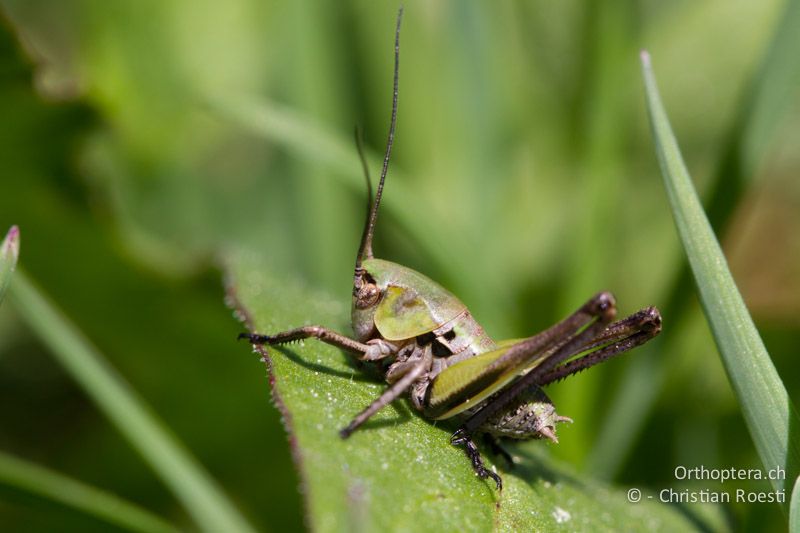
(367, 296)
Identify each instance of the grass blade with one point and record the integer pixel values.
(9, 252)
(770, 93)
(205, 502)
(27, 476)
(766, 407)
(794, 508)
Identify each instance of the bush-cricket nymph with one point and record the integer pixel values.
(433, 349)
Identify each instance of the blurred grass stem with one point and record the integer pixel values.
(768, 412)
(204, 501)
(43, 482)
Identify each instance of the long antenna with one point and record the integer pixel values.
(365, 251)
(365, 167)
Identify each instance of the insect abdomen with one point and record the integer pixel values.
(525, 418)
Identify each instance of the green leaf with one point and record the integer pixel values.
(43, 482)
(207, 504)
(9, 252)
(794, 508)
(769, 413)
(399, 472)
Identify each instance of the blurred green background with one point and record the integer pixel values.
(142, 143)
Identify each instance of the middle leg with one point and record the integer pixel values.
(411, 374)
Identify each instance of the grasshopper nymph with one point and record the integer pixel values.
(451, 368)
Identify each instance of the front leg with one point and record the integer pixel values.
(371, 351)
(403, 379)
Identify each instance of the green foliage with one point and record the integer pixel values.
(205, 502)
(767, 409)
(794, 508)
(48, 484)
(9, 252)
(146, 143)
(765, 101)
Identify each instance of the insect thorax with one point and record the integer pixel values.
(452, 343)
